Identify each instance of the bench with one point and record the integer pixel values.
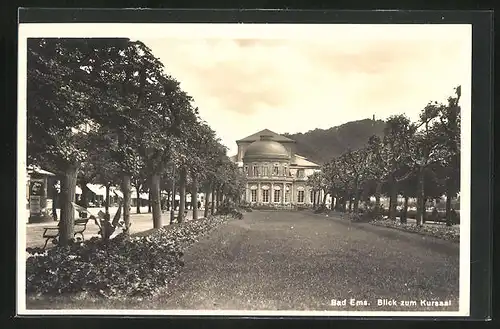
(52, 233)
(79, 226)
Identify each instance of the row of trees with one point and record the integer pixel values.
(415, 159)
(104, 111)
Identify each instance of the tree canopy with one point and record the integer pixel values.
(104, 110)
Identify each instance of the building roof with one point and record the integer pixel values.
(266, 149)
(266, 132)
(38, 170)
(301, 161)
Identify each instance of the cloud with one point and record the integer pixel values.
(243, 85)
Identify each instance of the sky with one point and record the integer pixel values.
(296, 84)
(294, 78)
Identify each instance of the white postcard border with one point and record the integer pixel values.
(181, 30)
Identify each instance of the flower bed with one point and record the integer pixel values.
(442, 231)
(139, 265)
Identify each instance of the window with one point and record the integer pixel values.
(265, 195)
(285, 170)
(277, 196)
(253, 195)
(265, 170)
(300, 196)
(255, 171)
(276, 170)
(246, 170)
(300, 173)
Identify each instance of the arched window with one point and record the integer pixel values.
(300, 196)
(265, 196)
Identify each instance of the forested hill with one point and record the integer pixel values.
(321, 145)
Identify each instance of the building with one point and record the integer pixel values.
(276, 175)
(39, 195)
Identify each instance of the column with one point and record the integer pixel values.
(259, 191)
(271, 194)
(283, 194)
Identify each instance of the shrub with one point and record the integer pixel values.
(371, 214)
(436, 230)
(229, 208)
(321, 209)
(124, 266)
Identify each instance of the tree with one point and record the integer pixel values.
(131, 76)
(58, 102)
(356, 164)
(424, 153)
(140, 182)
(449, 128)
(335, 173)
(315, 182)
(388, 158)
(215, 156)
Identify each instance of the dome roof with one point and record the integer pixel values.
(265, 149)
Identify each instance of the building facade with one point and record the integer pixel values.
(276, 175)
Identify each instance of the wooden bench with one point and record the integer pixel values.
(79, 226)
(52, 233)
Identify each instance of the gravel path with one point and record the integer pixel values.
(301, 261)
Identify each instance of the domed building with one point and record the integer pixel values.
(275, 173)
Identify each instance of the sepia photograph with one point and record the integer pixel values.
(244, 169)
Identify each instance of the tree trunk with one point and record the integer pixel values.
(424, 216)
(169, 194)
(356, 196)
(214, 196)
(208, 193)
(84, 201)
(404, 212)
(341, 204)
(173, 187)
(154, 195)
(68, 188)
(324, 199)
(217, 199)
(182, 195)
(55, 201)
(126, 201)
(394, 200)
(106, 204)
(194, 197)
(420, 198)
(350, 203)
(449, 219)
(149, 200)
(138, 200)
(378, 192)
